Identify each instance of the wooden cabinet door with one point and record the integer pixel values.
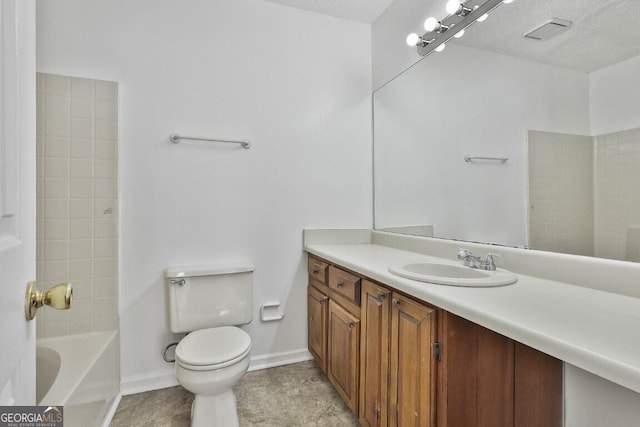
(317, 310)
(374, 347)
(538, 388)
(343, 361)
(412, 372)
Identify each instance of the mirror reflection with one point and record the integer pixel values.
(563, 111)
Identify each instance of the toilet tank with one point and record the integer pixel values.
(208, 296)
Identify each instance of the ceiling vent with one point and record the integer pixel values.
(549, 29)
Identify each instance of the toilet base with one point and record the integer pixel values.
(219, 410)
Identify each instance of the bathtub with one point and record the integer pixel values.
(81, 373)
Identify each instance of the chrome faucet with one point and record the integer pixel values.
(469, 260)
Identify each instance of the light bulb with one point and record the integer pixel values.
(412, 39)
(440, 48)
(483, 17)
(431, 24)
(453, 7)
(459, 34)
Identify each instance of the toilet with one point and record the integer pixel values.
(208, 303)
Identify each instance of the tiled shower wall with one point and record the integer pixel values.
(561, 192)
(617, 195)
(584, 194)
(77, 201)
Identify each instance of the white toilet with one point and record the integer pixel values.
(208, 302)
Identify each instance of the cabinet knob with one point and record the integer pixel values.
(395, 302)
(351, 325)
(380, 295)
(339, 285)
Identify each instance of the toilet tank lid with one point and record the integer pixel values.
(207, 270)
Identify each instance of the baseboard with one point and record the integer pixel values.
(158, 380)
(272, 360)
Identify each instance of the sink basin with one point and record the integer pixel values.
(442, 273)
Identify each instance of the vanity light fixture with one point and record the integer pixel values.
(438, 32)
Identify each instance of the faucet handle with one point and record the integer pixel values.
(489, 263)
(464, 254)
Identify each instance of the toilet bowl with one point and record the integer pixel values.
(209, 362)
(207, 302)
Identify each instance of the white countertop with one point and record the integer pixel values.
(592, 329)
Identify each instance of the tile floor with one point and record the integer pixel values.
(286, 396)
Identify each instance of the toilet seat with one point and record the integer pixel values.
(213, 348)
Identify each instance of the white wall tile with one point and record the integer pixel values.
(56, 250)
(66, 203)
(105, 188)
(56, 146)
(81, 168)
(105, 287)
(105, 268)
(106, 110)
(106, 129)
(81, 208)
(106, 90)
(56, 271)
(56, 208)
(56, 85)
(81, 128)
(56, 188)
(82, 88)
(82, 108)
(81, 188)
(105, 228)
(105, 248)
(80, 269)
(56, 167)
(57, 106)
(56, 126)
(56, 229)
(82, 288)
(81, 228)
(81, 249)
(105, 149)
(104, 168)
(82, 148)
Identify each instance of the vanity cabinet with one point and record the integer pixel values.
(318, 310)
(333, 310)
(317, 315)
(398, 361)
(398, 365)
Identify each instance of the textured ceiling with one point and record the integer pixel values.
(354, 10)
(603, 32)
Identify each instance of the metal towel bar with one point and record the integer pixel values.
(497, 159)
(175, 138)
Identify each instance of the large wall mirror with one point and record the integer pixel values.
(552, 128)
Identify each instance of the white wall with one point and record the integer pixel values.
(615, 97)
(297, 84)
(466, 101)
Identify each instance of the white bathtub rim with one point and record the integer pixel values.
(71, 374)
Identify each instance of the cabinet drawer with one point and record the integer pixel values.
(318, 270)
(345, 284)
